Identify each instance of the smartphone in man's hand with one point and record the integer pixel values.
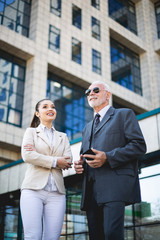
(89, 151)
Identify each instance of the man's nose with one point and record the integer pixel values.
(92, 92)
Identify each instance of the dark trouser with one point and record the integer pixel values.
(106, 221)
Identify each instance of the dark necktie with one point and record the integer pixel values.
(97, 120)
(94, 125)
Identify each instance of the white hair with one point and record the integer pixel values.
(106, 86)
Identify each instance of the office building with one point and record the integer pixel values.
(56, 49)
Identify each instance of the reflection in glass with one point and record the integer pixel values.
(12, 72)
(124, 13)
(142, 221)
(73, 111)
(95, 3)
(3, 113)
(76, 50)
(96, 61)
(16, 15)
(67, 93)
(150, 181)
(14, 117)
(76, 16)
(4, 95)
(125, 67)
(55, 7)
(96, 28)
(75, 221)
(54, 39)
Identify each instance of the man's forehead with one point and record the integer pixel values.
(96, 85)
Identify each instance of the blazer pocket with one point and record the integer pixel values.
(125, 171)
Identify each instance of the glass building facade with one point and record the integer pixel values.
(124, 13)
(12, 79)
(15, 14)
(125, 67)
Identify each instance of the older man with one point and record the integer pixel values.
(111, 144)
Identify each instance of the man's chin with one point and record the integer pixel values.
(93, 104)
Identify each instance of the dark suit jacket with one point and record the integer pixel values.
(120, 137)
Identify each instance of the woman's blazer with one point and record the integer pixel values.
(40, 161)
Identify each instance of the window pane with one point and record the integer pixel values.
(55, 7)
(76, 50)
(67, 92)
(125, 66)
(76, 16)
(4, 95)
(14, 117)
(16, 15)
(54, 39)
(3, 113)
(124, 13)
(12, 74)
(95, 3)
(95, 28)
(96, 61)
(5, 80)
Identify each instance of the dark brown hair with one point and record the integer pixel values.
(35, 120)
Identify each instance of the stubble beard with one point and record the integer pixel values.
(96, 102)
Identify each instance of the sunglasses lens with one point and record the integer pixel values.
(96, 90)
(87, 92)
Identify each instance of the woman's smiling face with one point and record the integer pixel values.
(46, 112)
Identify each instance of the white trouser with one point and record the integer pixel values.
(42, 214)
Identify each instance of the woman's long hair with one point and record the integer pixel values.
(35, 120)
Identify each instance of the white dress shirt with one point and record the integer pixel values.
(102, 112)
(50, 186)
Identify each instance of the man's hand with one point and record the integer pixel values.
(78, 165)
(99, 159)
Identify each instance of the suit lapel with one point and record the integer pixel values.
(42, 135)
(89, 130)
(106, 118)
(56, 140)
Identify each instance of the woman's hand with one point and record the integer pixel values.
(64, 163)
(29, 147)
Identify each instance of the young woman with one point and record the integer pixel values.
(47, 152)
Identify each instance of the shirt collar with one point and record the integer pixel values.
(103, 111)
(44, 127)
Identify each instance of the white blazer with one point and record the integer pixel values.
(40, 161)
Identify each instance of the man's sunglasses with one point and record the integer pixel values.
(95, 90)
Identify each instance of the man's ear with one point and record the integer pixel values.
(108, 95)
